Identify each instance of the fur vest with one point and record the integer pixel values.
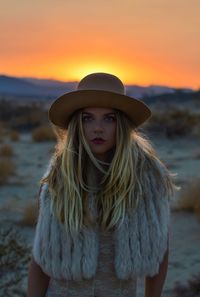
(140, 241)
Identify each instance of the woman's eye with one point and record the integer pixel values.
(110, 119)
(86, 118)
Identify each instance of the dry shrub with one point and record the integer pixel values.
(1, 133)
(15, 257)
(14, 135)
(190, 198)
(6, 151)
(7, 168)
(2, 127)
(197, 131)
(30, 214)
(191, 289)
(43, 133)
(23, 116)
(175, 122)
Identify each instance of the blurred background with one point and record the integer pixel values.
(46, 48)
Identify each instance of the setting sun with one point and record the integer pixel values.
(82, 70)
(84, 67)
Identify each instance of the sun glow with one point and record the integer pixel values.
(78, 71)
(84, 66)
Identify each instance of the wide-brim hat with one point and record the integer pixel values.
(98, 90)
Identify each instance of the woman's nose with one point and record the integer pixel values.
(98, 126)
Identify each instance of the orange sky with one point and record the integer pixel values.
(142, 41)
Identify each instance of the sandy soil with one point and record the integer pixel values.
(181, 156)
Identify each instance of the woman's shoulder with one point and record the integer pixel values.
(46, 172)
(44, 186)
(159, 177)
(48, 167)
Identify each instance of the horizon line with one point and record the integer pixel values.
(76, 81)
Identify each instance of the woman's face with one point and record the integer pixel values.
(99, 126)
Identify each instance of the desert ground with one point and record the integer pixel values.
(181, 155)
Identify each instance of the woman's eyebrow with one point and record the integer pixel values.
(109, 113)
(85, 112)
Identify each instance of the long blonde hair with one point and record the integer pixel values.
(121, 186)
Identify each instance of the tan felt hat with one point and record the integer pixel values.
(98, 90)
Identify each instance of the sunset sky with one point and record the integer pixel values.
(142, 41)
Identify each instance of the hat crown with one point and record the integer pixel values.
(103, 82)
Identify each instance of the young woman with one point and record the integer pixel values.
(104, 201)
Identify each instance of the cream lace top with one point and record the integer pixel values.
(105, 283)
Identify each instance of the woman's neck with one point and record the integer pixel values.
(94, 174)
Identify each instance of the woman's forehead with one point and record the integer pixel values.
(98, 110)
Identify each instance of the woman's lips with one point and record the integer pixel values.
(98, 140)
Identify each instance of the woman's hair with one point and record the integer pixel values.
(122, 184)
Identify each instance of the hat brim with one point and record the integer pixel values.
(62, 109)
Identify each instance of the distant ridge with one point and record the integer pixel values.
(47, 88)
(12, 86)
(51, 83)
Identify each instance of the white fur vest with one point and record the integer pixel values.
(140, 241)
